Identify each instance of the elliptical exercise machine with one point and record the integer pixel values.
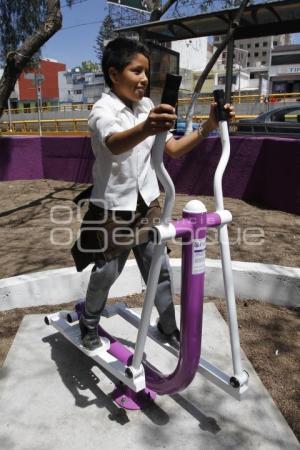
(139, 381)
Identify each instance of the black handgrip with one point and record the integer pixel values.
(171, 89)
(219, 97)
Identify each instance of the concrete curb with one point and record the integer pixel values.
(270, 283)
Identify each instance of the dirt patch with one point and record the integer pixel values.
(39, 222)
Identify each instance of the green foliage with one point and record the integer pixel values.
(89, 66)
(18, 19)
(106, 32)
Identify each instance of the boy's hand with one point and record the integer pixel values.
(211, 123)
(161, 118)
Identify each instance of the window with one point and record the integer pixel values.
(275, 43)
(256, 54)
(264, 53)
(78, 91)
(292, 115)
(278, 60)
(256, 44)
(27, 108)
(248, 45)
(278, 117)
(279, 86)
(249, 54)
(14, 105)
(263, 63)
(288, 115)
(265, 44)
(222, 79)
(248, 64)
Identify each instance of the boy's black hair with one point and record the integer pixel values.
(119, 53)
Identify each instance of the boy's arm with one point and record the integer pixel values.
(179, 147)
(123, 141)
(159, 119)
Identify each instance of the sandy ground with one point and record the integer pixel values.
(39, 222)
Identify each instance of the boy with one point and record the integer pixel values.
(123, 125)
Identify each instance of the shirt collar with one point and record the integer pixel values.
(121, 105)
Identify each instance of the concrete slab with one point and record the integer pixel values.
(53, 397)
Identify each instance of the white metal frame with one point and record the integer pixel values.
(234, 385)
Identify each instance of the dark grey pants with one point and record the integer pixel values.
(104, 275)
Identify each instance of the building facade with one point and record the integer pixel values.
(78, 87)
(193, 57)
(39, 84)
(273, 64)
(254, 52)
(285, 69)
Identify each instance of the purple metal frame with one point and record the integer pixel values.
(192, 229)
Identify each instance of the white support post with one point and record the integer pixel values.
(239, 374)
(165, 179)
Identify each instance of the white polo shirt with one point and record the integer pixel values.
(119, 178)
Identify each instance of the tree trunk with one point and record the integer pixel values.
(17, 60)
(232, 27)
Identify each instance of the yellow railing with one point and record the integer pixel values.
(249, 98)
(65, 126)
(50, 108)
(243, 98)
(48, 126)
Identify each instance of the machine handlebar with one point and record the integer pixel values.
(219, 97)
(171, 89)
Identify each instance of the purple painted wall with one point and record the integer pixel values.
(265, 170)
(20, 159)
(58, 158)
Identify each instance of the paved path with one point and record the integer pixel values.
(52, 398)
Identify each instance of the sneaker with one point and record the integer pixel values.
(89, 336)
(172, 338)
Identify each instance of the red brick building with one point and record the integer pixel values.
(48, 71)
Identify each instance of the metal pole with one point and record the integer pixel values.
(239, 83)
(229, 64)
(164, 178)
(38, 102)
(9, 115)
(226, 259)
(148, 304)
(269, 68)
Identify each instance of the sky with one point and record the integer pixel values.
(74, 44)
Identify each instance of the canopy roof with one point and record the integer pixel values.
(267, 19)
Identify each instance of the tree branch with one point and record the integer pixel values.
(159, 10)
(232, 27)
(17, 60)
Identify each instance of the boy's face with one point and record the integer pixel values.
(130, 84)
